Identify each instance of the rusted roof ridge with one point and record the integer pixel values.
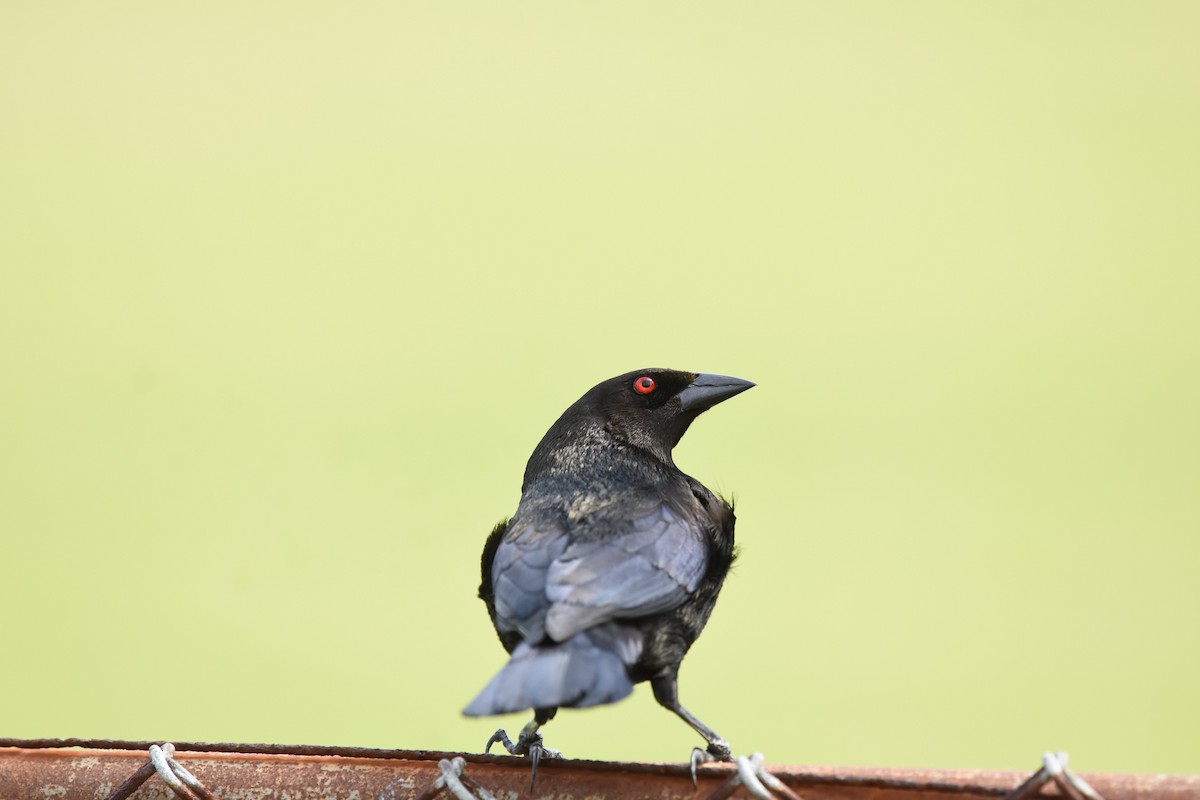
(366, 772)
(796, 774)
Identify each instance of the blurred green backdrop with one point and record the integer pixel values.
(291, 291)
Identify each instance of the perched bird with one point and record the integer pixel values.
(610, 567)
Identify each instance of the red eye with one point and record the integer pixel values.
(644, 385)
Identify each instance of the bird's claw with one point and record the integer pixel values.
(528, 744)
(718, 750)
(750, 773)
(500, 737)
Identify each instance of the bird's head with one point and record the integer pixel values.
(649, 408)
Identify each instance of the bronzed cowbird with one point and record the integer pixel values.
(610, 567)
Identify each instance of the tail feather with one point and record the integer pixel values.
(588, 669)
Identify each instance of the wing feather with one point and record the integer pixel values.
(650, 568)
(549, 581)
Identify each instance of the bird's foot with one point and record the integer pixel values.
(718, 750)
(750, 773)
(528, 744)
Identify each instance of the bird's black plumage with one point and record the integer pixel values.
(610, 567)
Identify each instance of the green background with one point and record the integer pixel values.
(290, 291)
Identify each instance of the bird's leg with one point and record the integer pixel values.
(750, 772)
(529, 743)
(666, 692)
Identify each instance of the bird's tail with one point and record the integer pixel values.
(588, 669)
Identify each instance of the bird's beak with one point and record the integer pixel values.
(707, 390)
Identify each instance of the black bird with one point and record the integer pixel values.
(611, 565)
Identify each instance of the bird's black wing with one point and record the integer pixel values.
(653, 565)
(548, 581)
(518, 572)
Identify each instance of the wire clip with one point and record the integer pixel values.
(758, 781)
(1054, 768)
(454, 778)
(184, 784)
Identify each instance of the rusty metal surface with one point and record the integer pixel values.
(94, 769)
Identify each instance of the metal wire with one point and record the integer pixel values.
(1054, 770)
(183, 783)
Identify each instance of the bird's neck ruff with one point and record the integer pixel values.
(582, 451)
